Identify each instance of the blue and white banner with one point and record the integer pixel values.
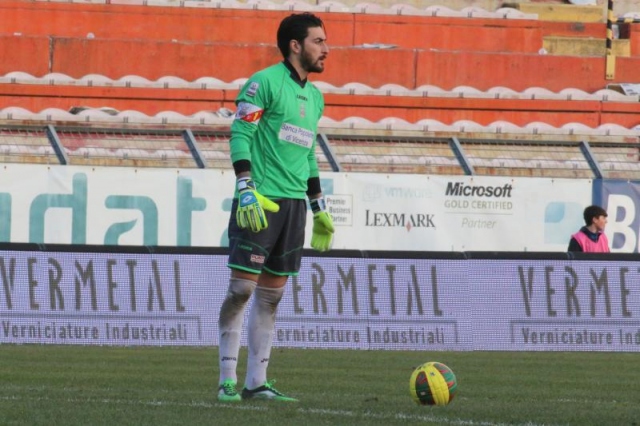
(189, 207)
(621, 199)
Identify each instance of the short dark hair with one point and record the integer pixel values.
(592, 212)
(296, 27)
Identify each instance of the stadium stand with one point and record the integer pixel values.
(353, 99)
(129, 138)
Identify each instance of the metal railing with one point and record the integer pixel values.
(203, 148)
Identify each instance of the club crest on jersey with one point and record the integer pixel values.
(253, 88)
(249, 112)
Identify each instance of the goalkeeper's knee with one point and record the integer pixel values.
(239, 291)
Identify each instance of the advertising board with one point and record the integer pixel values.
(346, 300)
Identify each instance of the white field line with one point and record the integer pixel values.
(240, 407)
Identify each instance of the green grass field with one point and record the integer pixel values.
(83, 385)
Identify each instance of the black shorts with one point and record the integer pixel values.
(277, 249)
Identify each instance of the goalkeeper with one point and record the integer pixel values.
(273, 140)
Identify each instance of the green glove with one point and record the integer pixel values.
(322, 233)
(252, 206)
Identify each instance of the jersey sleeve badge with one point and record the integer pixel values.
(249, 112)
(253, 88)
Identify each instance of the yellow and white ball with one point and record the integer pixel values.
(432, 383)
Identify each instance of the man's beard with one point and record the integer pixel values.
(307, 63)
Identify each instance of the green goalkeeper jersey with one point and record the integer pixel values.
(275, 128)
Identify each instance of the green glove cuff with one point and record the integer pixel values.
(245, 183)
(318, 205)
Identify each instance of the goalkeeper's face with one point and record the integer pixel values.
(314, 50)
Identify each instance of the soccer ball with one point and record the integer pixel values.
(432, 383)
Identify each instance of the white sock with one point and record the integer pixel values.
(230, 326)
(262, 320)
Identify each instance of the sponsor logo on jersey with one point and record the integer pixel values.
(296, 135)
(253, 88)
(249, 112)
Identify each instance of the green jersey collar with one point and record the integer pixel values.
(294, 74)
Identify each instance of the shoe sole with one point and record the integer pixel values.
(229, 398)
(269, 398)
